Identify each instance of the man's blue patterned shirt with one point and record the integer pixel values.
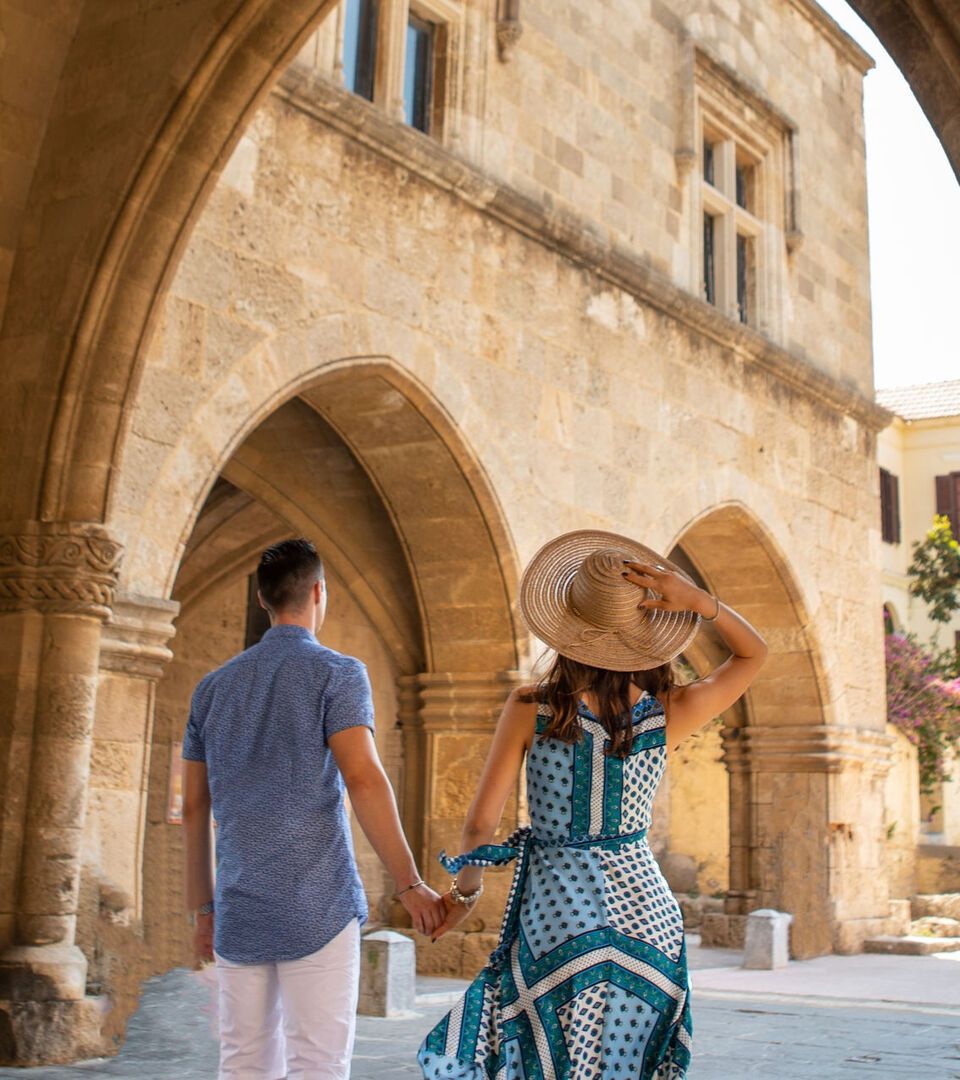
(287, 880)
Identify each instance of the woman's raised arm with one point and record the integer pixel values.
(690, 707)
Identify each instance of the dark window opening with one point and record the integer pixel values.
(360, 47)
(744, 178)
(258, 621)
(888, 627)
(418, 74)
(745, 278)
(709, 259)
(889, 507)
(708, 162)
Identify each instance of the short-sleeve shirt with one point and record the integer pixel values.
(287, 880)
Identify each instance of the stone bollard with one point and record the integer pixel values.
(767, 943)
(387, 974)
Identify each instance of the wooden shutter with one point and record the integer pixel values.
(948, 499)
(889, 507)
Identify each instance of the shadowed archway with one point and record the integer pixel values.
(777, 776)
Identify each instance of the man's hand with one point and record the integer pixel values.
(425, 908)
(203, 939)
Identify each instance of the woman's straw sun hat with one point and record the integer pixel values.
(574, 597)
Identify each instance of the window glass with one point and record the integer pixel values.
(360, 46)
(743, 252)
(708, 162)
(745, 185)
(709, 260)
(418, 74)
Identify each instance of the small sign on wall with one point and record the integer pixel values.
(175, 787)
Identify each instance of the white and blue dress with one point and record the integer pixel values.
(589, 979)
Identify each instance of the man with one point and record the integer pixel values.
(272, 738)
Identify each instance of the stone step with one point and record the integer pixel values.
(910, 945)
(935, 926)
(936, 905)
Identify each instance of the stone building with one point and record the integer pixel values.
(429, 288)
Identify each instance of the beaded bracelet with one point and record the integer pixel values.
(459, 898)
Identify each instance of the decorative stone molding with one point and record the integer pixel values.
(573, 238)
(806, 748)
(59, 567)
(454, 701)
(135, 637)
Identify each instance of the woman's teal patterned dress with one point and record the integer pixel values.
(590, 977)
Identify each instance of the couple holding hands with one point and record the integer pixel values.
(589, 977)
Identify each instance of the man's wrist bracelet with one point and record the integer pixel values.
(415, 885)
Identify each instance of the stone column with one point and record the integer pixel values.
(133, 656)
(448, 719)
(65, 572)
(809, 835)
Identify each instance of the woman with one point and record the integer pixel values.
(590, 978)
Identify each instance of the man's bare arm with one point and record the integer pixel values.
(197, 824)
(373, 801)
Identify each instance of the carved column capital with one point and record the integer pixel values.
(454, 701)
(806, 748)
(59, 568)
(134, 639)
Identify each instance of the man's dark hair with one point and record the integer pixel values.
(287, 572)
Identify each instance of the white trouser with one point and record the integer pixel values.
(293, 1019)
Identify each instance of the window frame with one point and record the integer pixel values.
(743, 130)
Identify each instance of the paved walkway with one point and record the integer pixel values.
(834, 1018)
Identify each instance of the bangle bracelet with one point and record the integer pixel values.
(415, 885)
(464, 898)
(715, 615)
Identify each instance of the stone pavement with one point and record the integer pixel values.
(891, 1017)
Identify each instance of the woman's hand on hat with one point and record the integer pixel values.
(674, 592)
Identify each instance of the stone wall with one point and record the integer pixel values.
(586, 406)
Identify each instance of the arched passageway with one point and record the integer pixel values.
(783, 757)
(422, 578)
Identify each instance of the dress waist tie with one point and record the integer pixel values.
(518, 847)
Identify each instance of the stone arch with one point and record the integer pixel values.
(360, 456)
(777, 766)
(434, 490)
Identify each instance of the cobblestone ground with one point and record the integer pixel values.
(737, 1036)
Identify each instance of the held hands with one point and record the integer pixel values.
(676, 592)
(425, 907)
(454, 914)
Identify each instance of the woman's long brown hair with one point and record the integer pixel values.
(567, 681)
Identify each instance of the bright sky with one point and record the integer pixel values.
(914, 203)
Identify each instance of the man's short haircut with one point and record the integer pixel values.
(286, 574)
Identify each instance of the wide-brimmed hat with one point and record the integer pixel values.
(574, 597)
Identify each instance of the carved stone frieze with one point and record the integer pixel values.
(61, 567)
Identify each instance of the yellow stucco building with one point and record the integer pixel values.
(919, 459)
